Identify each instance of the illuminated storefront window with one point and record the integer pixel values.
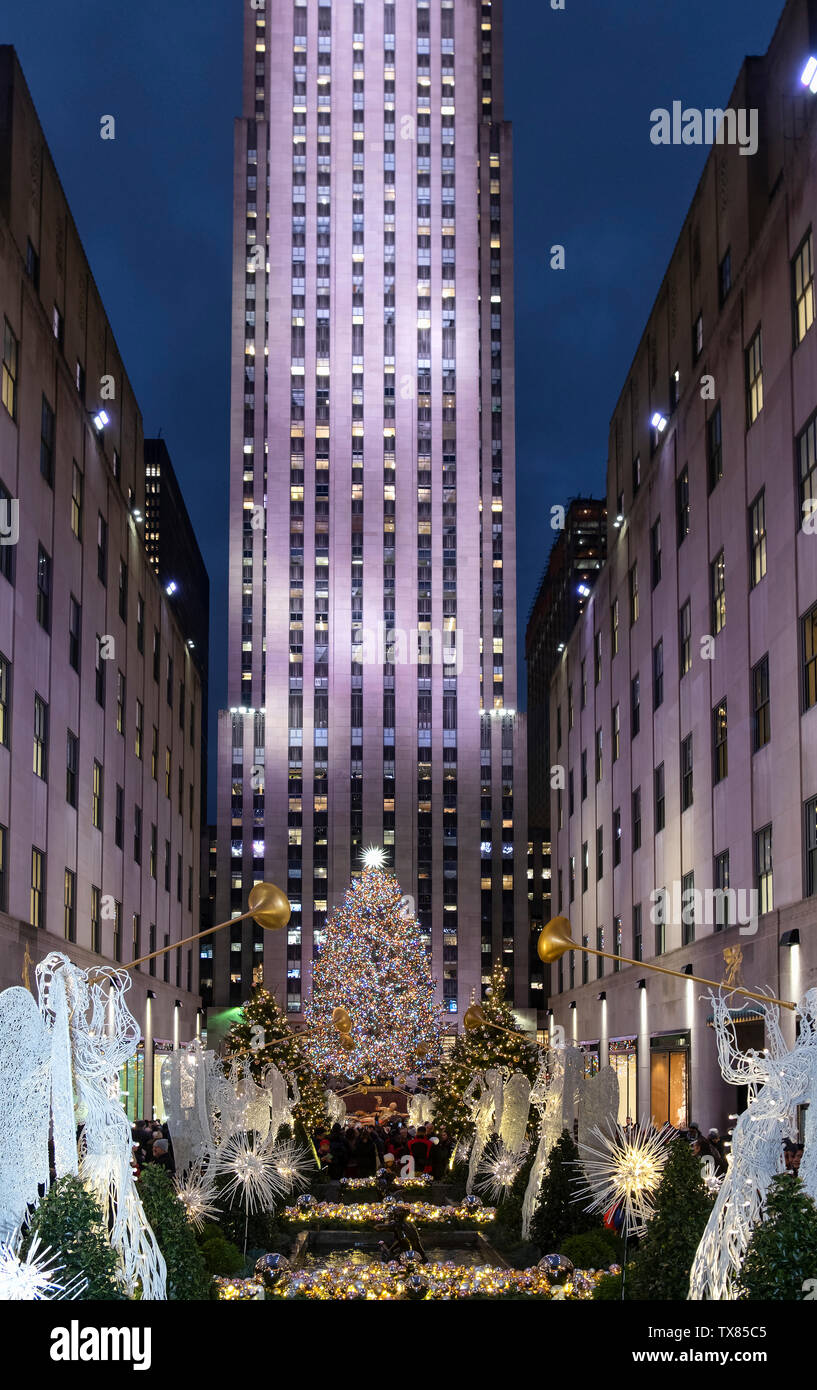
(623, 1060)
(669, 1079)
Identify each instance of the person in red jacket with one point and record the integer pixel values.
(420, 1150)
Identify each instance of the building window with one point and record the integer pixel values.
(658, 674)
(636, 819)
(117, 931)
(32, 264)
(616, 837)
(585, 867)
(140, 623)
(570, 707)
(655, 553)
(156, 651)
(725, 277)
(152, 947)
(571, 800)
(697, 337)
(599, 947)
(136, 936)
(10, 355)
(36, 913)
(43, 588)
(810, 658)
(807, 461)
(659, 797)
(96, 796)
(720, 763)
(168, 772)
(757, 538)
(123, 590)
(154, 754)
(4, 869)
(597, 658)
(140, 728)
(74, 633)
(810, 842)
(717, 588)
(76, 500)
(120, 703)
(682, 504)
(685, 638)
(7, 551)
(659, 917)
(119, 817)
(686, 773)
(761, 705)
(572, 877)
(634, 594)
(763, 869)
(5, 702)
(599, 755)
(638, 946)
(614, 627)
(153, 852)
(96, 921)
(802, 289)
(600, 852)
(721, 902)
(636, 474)
(584, 774)
(584, 685)
(102, 548)
(169, 689)
(616, 732)
(71, 768)
(754, 379)
(714, 447)
(617, 943)
(635, 705)
(167, 866)
(99, 673)
(687, 909)
(47, 436)
(70, 906)
(40, 738)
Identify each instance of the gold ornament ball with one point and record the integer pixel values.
(269, 907)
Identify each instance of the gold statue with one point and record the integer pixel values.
(733, 960)
(27, 964)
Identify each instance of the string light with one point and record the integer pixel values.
(437, 1280)
(358, 1213)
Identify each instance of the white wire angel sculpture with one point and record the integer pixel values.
(779, 1081)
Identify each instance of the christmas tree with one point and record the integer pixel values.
(558, 1215)
(682, 1206)
(264, 1038)
(781, 1259)
(372, 1011)
(478, 1049)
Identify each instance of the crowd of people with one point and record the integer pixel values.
(358, 1150)
(151, 1143)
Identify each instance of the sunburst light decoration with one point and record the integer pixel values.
(498, 1170)
(622, 1170)
(294, 1164)
(33, 1277)
(197, 1193)
(251, 1175)
(373, 857)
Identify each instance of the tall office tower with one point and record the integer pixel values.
(372, 645)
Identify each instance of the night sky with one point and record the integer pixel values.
(153, 209)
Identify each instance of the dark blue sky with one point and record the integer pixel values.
(153, 210)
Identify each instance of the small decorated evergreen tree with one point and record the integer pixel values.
(558, 1215)
(662, 1263)
(264, 1037)
(781, 1258)
(477, 1050)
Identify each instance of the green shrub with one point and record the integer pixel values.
(682, 1205)
(70, 1220)
(782, 1252)
(608, 1289)
(187, 1276)
(220, 1255)
(593, 1250)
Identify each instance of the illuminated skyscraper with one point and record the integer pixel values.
(372, 644)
